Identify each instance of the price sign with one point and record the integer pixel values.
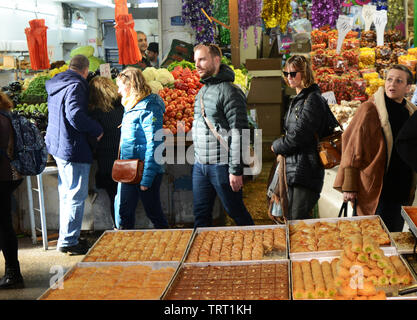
(344, 25)
(368, 12)
(105, 70)
(380, 21)
(330, 97)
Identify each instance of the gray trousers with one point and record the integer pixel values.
(301, 202)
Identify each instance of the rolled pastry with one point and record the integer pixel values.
(320, 287)
(298, 282)
(345, 262)
(376, 255)
(383, 280)
(367, 289)
(328, 279)
(356, 243)
(347, 290)
(347, 249)
(369, 244)
(362, 257)
(403, 274)
(373, 279)
(308, 280)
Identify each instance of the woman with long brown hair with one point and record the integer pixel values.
(105, 107)
(142, 119)
(307, 119)
(10, 179)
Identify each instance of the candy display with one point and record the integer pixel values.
(166, 245)
(231, 282)
(324, 236)
(345, 111)
(230, 245)
(133, 282)
(383, 52)
(366, 58)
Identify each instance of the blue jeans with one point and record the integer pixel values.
(212, 179)
(127, 199)
(72, 190)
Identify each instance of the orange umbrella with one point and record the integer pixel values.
(37, 44)
(127, 40)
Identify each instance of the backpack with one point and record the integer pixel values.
(30, 154)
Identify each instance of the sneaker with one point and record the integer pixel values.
(78, 249)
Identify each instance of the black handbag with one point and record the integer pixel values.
(344, 209)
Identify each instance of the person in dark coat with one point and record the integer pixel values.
(106, 108)
(218, 167)
(406, 142)
(10, 179)
(67, 134)
(306, 120)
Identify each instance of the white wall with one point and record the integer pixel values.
(16, 14)
(171, 8)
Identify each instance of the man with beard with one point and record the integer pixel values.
(220, 108)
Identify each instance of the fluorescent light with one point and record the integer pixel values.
(148, 5)
(104, 3)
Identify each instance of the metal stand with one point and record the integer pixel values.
(41, 209)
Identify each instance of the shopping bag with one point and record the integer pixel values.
(343, 213)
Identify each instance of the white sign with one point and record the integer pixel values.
(344, 25)
(330, 97)
(105, 70)
(368, 12)
(380, 21)
(51, 51)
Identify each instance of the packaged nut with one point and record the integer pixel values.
(383, 52)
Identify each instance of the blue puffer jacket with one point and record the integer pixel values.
(139, 126)
(69, 126)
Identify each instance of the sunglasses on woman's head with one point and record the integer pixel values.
(293, 74)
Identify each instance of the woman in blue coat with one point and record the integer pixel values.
(141, 120)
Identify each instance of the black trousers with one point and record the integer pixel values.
(106, 182)
(390, 213)
(301, 202)
(8, 239)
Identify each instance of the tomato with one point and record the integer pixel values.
(192, 85)
(172, 114)
(174, 96)
(178, 68)
(186, 71)
(168, 99)
(187, 128)
(178, 116)
(192, 91)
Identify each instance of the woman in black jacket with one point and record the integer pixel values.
(306, 120)
(10, 179)
(106, 108)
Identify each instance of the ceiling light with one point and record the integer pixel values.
(148, 5)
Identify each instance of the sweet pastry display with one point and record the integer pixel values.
(233, 282)
(167, 245)
(236, 245)
(404, 240)
(324, 236)
(361, 268)
(136, 282)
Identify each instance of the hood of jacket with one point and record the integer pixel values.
(152, 99)
(226, 74)
(63, 80)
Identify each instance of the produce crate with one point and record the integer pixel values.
(119, 288)
(259, 281)
(274, 254)
(391, 291)
(90, 254)
(332, 220)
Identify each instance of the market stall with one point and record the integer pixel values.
(341, 258)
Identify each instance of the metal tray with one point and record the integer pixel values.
(391, 290)
(139, 230)
(333, 220)
(406, 248)
(276, 255)
(413, 227)
(152, 264)
(230, 263)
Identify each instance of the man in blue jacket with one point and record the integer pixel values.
(67, 135)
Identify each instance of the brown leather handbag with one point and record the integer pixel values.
(330, 149)
(127, 170)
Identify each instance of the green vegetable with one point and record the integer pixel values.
(95, 63)
(36, 92)
(87, 51)
(182, 63)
